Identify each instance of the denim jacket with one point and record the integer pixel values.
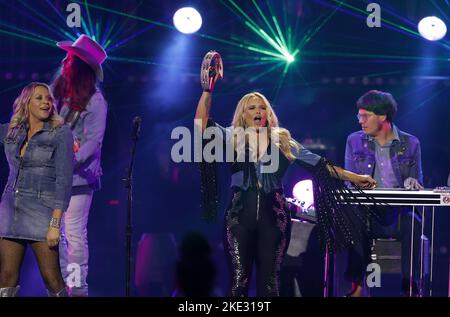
(246, 174)
(45, 171)
(89, 130)
(405, 156)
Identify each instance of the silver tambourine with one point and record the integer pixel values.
(212, 70)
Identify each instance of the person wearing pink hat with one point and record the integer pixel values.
(84, 109)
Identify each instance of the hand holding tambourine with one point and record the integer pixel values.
(211, 71)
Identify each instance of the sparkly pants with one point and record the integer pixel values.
(257, 227)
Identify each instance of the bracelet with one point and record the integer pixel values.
(55, 223)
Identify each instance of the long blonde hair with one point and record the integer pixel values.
(285, 141)
(21, 111)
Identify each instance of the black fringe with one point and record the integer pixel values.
(209, 191)
(341, 225)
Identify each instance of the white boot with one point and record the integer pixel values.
(9, 291)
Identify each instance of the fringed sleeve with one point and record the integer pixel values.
(209, 191)
(209, 179)
(341, 223)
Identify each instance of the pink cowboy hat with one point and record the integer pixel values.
(88, 50)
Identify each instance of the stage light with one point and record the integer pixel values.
(187, 20)
(303, 191)
(432, 28)
(289, 58)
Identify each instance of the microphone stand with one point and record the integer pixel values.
(129, 185)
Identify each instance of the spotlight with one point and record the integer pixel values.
(289, 58)
(432, 28)
(303, 191)
(187, 20)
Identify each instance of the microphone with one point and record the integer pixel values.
(136, 127)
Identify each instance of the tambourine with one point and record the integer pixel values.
(211, 71)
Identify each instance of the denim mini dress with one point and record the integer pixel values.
(38, 182)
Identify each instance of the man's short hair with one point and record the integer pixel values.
(378, 102)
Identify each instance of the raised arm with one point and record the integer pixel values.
(211, 71)
(203, 108)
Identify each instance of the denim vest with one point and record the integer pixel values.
(45, 170)
(247, 174)
(405, 156)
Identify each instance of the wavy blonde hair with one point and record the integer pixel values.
(283, 136)
(21, 112)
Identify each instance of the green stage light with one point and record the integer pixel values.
(289, 58)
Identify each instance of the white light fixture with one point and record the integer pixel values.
(187, 20)
(303, 191)
(289, 58)
(432, 28)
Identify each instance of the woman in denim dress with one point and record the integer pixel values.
(39, 151)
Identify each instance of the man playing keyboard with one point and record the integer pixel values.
(393, 158)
